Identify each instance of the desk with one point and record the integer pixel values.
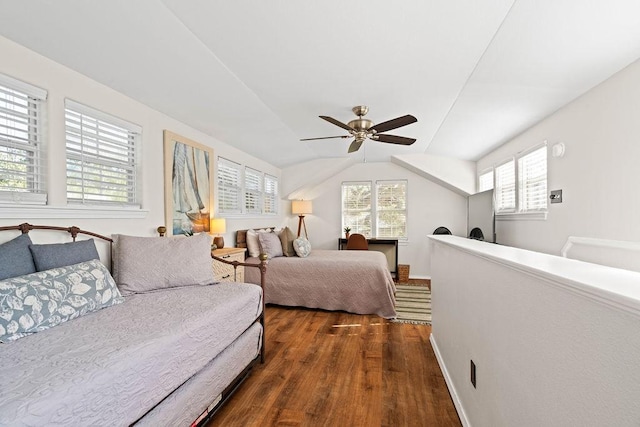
(389, 247)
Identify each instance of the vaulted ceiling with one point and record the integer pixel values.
(257, 74)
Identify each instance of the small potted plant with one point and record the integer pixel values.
(347, 230)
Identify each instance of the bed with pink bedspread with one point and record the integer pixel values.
(353, 281)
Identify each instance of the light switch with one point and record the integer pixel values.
(556, 196)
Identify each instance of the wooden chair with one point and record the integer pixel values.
(357, 242)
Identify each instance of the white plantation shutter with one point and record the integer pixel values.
(229, 187)
(357, 207)
(101, 157)
(505, 190)
(391, 212)
(532, 179)
(485, 181)
(22, 156)
(270, 194)
(252, 191)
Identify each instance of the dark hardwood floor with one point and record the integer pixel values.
(339, 369)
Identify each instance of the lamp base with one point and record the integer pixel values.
(219, 242)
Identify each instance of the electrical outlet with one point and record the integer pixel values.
(473, 374)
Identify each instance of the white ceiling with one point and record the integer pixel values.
(256, 74)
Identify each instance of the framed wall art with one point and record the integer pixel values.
(188, 185)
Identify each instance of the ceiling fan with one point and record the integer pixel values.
(362, 129)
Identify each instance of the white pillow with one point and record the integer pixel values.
(253, 245)
(302, 247)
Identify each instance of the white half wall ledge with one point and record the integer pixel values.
(613, 253)
(456, 175)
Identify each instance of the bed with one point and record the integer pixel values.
(353, 281)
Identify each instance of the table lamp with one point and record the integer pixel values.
(301, 208)
(218, 226)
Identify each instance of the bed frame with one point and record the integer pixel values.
(74, 231)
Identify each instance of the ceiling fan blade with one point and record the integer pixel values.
(326, 137)
(337, 123)
(393, 139)
(394, 123)
(355, 145)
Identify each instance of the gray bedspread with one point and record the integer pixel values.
(354, 281)
(112, 366)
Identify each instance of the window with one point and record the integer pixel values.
(244, 190)
(391, 215)
(382, 216)
(229, 187)
(22, 162)
(485, 181)
(527, 195)
(532, 180)
(505, 191)
(101, 157)
(252, 191)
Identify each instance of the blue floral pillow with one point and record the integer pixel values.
(39, 301)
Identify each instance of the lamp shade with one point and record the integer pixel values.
(301, 207)
(218, 226)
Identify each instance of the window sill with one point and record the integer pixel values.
(72, 212)
(528, 216)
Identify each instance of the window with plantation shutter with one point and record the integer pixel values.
(505, 187)
(357, 207)
(391, 209)
(485, 181)
(532, 180)
(252, 191)
(101, 157)
(229, 187)
(270, 194)
(22, 155)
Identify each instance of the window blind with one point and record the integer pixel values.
(391, 209)
(22, 154)
(252, 191)
(229, 187)
(485, 181)
(270, 194)
(505, 187)
(532, 179)
(357, 207)
(101, 157)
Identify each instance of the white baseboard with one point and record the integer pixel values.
(447, 378)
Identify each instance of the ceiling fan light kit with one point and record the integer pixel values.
(361, 129)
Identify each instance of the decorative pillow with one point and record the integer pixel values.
(253, 245)
(42, 300)
(286, 239)
(55, 255)
(15, 257)
(270, 244)
(302, 247)
(151, 263)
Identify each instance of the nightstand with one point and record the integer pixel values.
(224, 272)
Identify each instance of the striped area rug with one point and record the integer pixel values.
(413, 304)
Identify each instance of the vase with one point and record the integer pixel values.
(346, 235)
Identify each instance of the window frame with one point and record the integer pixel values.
(374, 209)
(107, 149)
(518, 213)
(34, 146)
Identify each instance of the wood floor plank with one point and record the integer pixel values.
(333, 368)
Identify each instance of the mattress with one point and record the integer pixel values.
(113, 366)
(354, 281)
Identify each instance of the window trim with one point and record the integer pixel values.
(134, 131)
(493, 179)
(516, 214)
(38, 195)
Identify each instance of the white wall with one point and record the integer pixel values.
(599, 173)
(429, 206)
(555, 341)
(61, 82)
